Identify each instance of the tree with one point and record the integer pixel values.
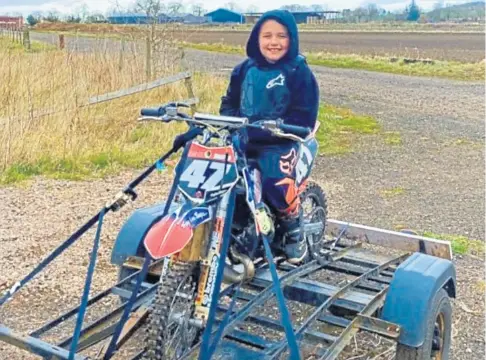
(73, 19)
(293, 7)
(52, 16)
(413, 12)
(31, 20)
(232, 6)
(373, 12)
(198, 9)
(317, 7)
(175, 8)
(151, 8)
(251, 9)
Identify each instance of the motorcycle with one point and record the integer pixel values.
(217, 209)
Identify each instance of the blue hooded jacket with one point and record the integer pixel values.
(260, 90)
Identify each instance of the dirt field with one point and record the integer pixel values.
(457, 47)
(463, 47)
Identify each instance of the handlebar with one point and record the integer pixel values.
(299, 131)
(152, 112)
(169, 112)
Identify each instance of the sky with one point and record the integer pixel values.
(25, 7)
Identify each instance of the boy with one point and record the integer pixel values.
(275, 83)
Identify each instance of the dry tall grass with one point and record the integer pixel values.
(74, 141)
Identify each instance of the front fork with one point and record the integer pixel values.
(212, 264)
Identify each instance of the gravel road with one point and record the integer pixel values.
(438, 168)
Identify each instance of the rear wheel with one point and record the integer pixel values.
(170, 332)
(437, 342)
(314, 207)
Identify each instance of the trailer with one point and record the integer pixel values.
(404, 298)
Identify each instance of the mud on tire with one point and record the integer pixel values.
(167, 339)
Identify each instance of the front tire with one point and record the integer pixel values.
(169, 334)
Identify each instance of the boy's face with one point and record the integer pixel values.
(273, 41)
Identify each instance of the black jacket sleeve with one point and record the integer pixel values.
(304, 104)
(230, 102)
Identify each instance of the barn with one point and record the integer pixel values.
(128, 19)
(225, 16)
(301, 17)
(7, 22)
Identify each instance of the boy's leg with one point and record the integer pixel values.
(277, 167)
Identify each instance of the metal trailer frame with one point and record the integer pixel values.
(384, 280)
(347, 307)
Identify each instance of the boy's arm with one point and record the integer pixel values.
(304, 104)
(230, 102)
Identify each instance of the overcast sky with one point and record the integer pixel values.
(26, 7)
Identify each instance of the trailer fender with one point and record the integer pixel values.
(411, 292)
(129, 241)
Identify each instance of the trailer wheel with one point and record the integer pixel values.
(169, 332)
(314, 206)
(437, 340)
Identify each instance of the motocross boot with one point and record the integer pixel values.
(295, 244)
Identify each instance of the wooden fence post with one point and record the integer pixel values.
(148, 60)
(61, 41)
(26, 38)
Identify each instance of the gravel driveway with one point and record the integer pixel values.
(438, 168)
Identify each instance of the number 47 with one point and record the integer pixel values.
(194, 174)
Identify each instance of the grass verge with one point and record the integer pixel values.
(441, 69)
(340, 127)
(460, 244)
(35, 46)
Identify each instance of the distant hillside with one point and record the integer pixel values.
(468, 11)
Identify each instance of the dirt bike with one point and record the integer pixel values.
(217, 208)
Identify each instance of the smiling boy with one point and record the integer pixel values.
(274, 82)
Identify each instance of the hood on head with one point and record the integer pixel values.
(285, 18)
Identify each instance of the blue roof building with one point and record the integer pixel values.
(225, 16)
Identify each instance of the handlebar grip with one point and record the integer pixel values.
(300, 131)
(151, 112)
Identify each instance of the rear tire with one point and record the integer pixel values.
(314, 204)
(437, 342)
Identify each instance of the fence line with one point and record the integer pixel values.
(186, 76)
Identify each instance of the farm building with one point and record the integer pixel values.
(11, 22)
(225, 16)
(128, 19)
(162, 18)
(301, 17)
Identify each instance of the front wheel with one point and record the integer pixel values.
(170, 333)
(437, 342)
(314, 208)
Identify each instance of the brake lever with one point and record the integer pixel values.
(163, 118)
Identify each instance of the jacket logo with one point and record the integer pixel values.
(278, 81)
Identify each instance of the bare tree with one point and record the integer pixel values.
(252, 8)
(372, 11)
(198, 9)
(293, 7)
(232, 6)
(175, 8)
(317, 7)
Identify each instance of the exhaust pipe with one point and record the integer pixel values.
(231, 275)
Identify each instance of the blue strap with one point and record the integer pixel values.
(128, 308)
(87, 286)
(284, 312)
(75, 236)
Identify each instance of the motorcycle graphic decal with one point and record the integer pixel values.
(288, 161)
(208, 173)
(173, 232)
(292, 194)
